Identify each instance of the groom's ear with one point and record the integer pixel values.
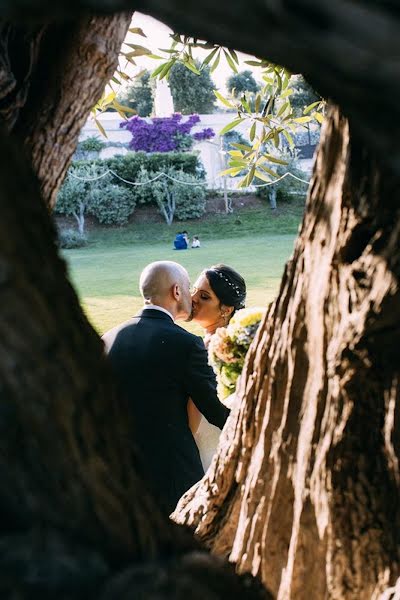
(176, 291)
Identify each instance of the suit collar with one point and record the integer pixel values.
(155, 313)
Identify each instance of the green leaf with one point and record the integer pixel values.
(216, 62)
(269, 171)
(223, 100)
(242, 147)
(124, 76)
(230, 62)
(310, 107)
(137, 47)
(108, 99)
(282, 109)
(238, 163)
(258, 103)
(158, 70)
(276, 139)
(230, 126)
(192, 67)
(288, 137)
(268, 80)
(166, 69)
(287, 93)
(268, 136)
(232, 171)
(100, 127)
(246, 105)
(273, 159)
(137, 31)
(302, 120)
(210, 56)
(250, 176)
(122, 108)
(252, 134)
(234, 55)
(319, 117)
(262, 176)
(254, 63)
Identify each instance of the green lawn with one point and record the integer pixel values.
(106, 273)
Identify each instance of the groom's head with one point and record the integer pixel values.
(166, 283)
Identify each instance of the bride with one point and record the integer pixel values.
(218, 292)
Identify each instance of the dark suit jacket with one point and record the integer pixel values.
(158, 366)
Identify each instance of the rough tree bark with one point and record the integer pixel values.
(305, 490)
(305, 487)
(50, 77)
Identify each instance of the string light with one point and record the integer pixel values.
(160, 175)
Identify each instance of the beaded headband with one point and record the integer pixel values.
(235, 287)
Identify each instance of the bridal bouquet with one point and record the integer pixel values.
(229, 345)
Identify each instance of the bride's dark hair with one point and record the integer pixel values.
(227, 285)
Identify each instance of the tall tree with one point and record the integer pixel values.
(139, 95)
(306, 482)
(303, 95)
(242, 82)
(192, 93)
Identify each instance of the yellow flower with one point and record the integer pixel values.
(245, 318)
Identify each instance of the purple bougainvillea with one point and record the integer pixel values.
(164, 134)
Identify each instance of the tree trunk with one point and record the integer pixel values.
(50, 78)
(304, 489)
(80, 218)
(272, 197)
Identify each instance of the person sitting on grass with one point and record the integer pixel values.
(180, 242)
(195, 242)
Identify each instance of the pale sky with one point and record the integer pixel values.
(158, 37)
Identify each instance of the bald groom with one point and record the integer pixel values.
(158, 367)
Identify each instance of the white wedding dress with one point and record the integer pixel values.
(207, 435)
(206, 438)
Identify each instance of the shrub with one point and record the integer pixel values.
(73, 197)
(89, 148)
(112, 204)
(186, 200)
(129, 165)
(109, 199)
(91, 144)
(70, 238)
(108, 202)
(164, 134)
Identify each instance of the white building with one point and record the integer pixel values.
(210, 152)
